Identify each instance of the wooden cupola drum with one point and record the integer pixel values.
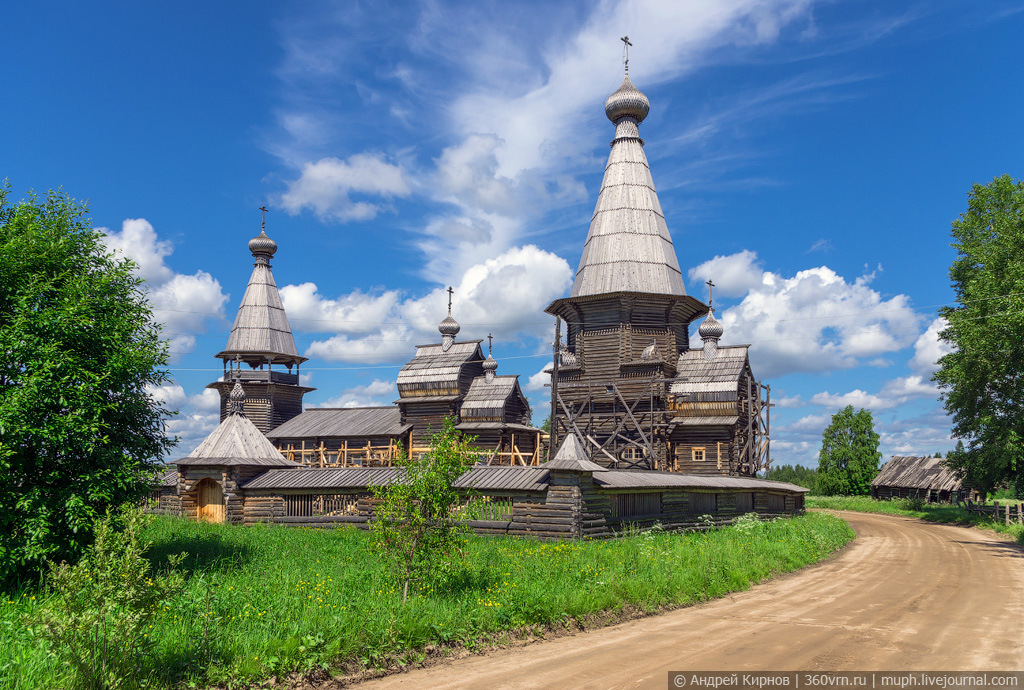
(260, 339)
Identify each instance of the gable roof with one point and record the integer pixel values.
(341, 422)
(236, 441)
(718, 378)
(911, 472)
(487, 399)
(432, 369)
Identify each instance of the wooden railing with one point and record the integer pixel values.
(384, 455)
(1009, 512)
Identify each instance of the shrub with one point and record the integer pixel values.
(98, 617)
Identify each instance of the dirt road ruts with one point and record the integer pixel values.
(905, 595)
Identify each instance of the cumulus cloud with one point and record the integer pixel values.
(734, 275)
(505, 296)
(182, 303)
(815, 321)
(327, 185)
(374, 394)
(195, 415)
(857, 398)
(539, 381)
(928, 349)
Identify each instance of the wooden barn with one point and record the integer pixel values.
(626, 381)
(343, 437)
(907, 476)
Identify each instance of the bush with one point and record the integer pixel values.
(98, 617)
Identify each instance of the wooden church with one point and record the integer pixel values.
(626, 381)
(644, 429)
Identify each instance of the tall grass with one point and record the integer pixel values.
(267, 600)
(932, 512)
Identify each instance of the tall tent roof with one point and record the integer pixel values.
(261, 330)
(628, 247)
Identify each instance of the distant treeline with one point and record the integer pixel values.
(794, 474)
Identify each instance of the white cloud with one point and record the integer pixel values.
(928, 348)
(326, 186)
(790, 401)
(182, 303)
(505, 296)
(815, 321)
(857, 398)
(539, 381)
(375, 394)
(734, 275)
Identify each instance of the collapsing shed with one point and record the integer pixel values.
(906, 476)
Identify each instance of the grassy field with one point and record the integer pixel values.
(932, 512)
(269, 600)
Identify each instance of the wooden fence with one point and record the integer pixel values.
(1009, 512)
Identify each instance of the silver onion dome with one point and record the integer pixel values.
(261, 244)
(449, 326)
(711, 328)
(236, 400)
(490, 364)
(627, 101)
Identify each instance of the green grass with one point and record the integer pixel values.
(932, 512)
(267, 600)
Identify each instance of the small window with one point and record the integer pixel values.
(697, 454)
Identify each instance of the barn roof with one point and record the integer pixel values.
(236, 441)
(326, 422)
(434, 369)
(718, 377)
(910, 472)
(261, 325)
(628, 246)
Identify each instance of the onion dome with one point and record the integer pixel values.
(627, 101)
(236, 400)
(711, 328)
(449, 327)
(490, 364)
(261, 244)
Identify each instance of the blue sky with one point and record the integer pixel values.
(809, 157)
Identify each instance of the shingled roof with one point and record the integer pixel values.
(705, 380)
(486, 400)
(628, 247)
(236, 441)
(325, 422)
(435, 371)
(261, 328)
(911, 472)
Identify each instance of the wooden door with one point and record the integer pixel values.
(211, 501)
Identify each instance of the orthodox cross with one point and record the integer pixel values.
(264, 209)
(450, 291)
(490, 338)
(711, 287)
(625, 46)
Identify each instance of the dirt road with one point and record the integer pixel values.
(905, 595)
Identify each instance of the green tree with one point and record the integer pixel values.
(794, 474)
(982, 379)
(849, 454)
(421, 521)
(79, 432)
